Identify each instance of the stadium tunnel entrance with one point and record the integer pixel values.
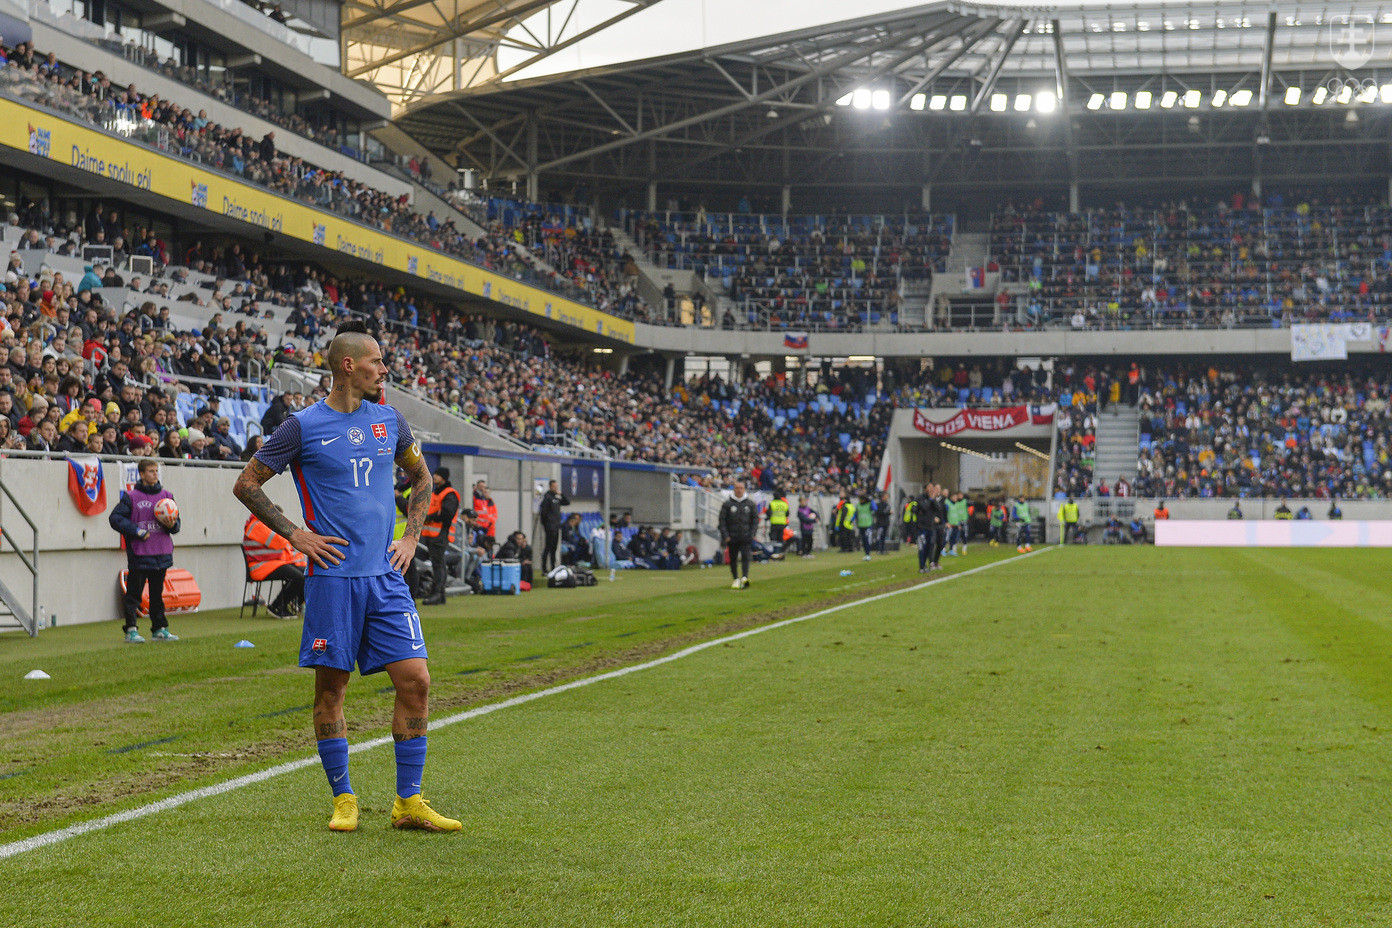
(987, 454)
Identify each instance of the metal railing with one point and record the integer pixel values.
(28, 621)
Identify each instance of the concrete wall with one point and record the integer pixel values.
(80, 556)
(1047, 343)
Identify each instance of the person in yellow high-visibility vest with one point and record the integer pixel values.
(1068, 516)
(777, 510)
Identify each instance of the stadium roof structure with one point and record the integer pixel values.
(948, 95)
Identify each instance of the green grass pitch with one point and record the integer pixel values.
(1092, 736)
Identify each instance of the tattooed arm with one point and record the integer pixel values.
(403, 550)
(318, 548)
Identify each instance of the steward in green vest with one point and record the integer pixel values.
(865, 523)
(778, 514)
(957, 513)
(996, 513)
(1026, 520)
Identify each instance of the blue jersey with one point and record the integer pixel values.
(343, 469)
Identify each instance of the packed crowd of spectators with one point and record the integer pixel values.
(1266, 433)
(505, 375)
(1240, 262)
(583, 267)
(1205, 431)
(809, 272)
(501, 374)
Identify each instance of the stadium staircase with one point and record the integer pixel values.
(648, 287)
(949, 302)
(1118, 444)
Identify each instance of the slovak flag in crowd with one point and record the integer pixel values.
(796, 341)
(86, 484)
(976, 278)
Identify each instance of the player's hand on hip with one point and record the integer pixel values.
(403, 551)
(318, 548)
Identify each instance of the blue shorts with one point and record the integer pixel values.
(368, 620)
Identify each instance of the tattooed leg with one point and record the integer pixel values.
(329, 687)
(412, 682)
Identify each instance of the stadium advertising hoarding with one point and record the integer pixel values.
(57, 139)
(1272, 534)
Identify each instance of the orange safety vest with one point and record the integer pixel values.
(487, 511)
(1162, 513)
(432, 529)
(266, 551)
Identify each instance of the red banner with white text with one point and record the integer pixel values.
(985, 420)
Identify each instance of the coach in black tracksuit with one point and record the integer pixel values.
(934, 507)
(550, 513)
(739, 519)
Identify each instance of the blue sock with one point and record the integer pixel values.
(333, 754)
(410, 766)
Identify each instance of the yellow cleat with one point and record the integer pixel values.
(414, 812)
(345, 817)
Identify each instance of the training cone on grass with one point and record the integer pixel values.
(244, 644)
(37, 675)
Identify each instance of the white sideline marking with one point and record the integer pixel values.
(81, 828)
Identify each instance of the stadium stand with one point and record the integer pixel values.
(811, 272)
(1242, 262)
(31, 76)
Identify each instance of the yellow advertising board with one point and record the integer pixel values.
(78, 146)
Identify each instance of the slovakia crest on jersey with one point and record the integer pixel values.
(86, 484)
(379, 431)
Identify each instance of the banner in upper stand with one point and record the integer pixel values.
(985, 420)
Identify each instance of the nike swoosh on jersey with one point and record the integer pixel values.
(329, 441)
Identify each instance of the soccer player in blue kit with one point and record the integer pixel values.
(357, 607)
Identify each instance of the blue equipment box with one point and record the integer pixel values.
(503, 577)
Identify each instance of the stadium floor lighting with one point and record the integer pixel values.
(1385, 93)
(1118, 100)
(938, 102)
(1034, 451)
(1095, 101)
(1320, 95)
(917, 102)
(1220, 97)
(880, 99)
(1241, 98)
(844, 101)
(1292, 96)
(1192, 99)
(998, 103)
(1345, 94)
(1169, 99)
(1022, 102)
(1143, 99)
(960, 450)
(1368, 95)
(604, 351)
(861, 99)
(959, 102)
(1046, 102)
